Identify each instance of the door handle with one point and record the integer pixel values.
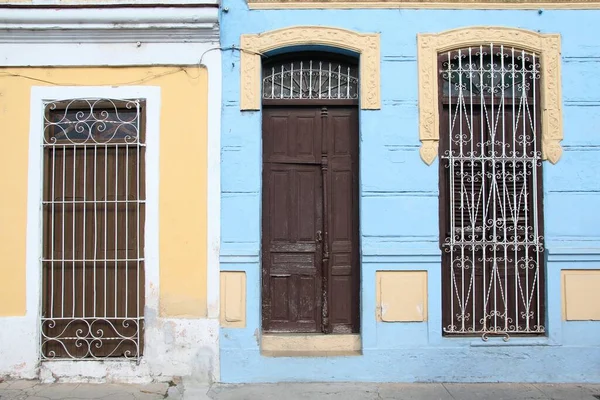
(319, 236)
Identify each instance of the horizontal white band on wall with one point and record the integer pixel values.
(108, 18)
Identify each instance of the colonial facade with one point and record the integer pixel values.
(409, 191)
(111, 115)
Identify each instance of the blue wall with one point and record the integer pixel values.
(399, 208)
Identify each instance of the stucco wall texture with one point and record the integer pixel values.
(399, 208)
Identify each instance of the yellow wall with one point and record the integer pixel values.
(182, 203)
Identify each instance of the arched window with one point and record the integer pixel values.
(310, 77)
(491, 230)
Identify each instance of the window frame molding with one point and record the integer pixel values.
(429, 45)
(367, 45)
(34, 247)
(425, 4)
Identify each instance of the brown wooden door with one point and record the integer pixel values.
(343, 266)
(310, 220)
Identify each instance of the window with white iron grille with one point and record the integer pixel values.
(310, 76)
(93, 229)
(491, 226)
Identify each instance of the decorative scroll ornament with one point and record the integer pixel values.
(91, 339)
(546, 45)
(92, 122)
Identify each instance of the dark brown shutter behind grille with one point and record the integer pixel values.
(93, 283)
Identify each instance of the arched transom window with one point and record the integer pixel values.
(491, 198)
(310, 77)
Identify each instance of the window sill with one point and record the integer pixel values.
(513, 342)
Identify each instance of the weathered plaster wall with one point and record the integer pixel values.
(179, 339)
(399, 208)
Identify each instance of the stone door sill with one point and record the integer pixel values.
(310, 345)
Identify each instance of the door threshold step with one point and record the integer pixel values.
(310, 353)
(310, 345)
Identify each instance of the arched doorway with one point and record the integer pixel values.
(310, 240)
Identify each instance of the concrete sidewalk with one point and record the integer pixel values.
(33, 390)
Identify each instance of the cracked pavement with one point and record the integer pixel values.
(34, 390)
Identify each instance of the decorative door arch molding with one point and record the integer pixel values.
(367, 45)
(546, 45)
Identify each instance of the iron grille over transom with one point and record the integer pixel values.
(491, 198)
(93, 219)
(310, 79)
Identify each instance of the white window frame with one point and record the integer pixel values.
(40, 95)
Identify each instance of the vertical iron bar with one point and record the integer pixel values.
(64, 212)
(474, 208)
(84, 206)
(138, 142)
(348, 84)
(95, 222)
(485, 199)
(300, 79)
(126, 204)
(452, 200)
(310, 86)
(535, 191)
(526, 194)
(105, 208)
(504, 212)
(320, 78)
(516, 205)
(272, 82)
(116, 252)
(329, 83)
(459, 106)
(53, 229)
(339, 86)
(494, 188)
(73, 255)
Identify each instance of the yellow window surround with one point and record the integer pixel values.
(427, 4)
(365, 44)
(546, 45)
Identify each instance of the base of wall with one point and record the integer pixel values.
(173, 348)
(309, 345)
(547, 364)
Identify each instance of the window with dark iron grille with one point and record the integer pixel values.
(93, 229)
(491, 227)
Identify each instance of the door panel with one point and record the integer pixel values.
(292, 213)
(292, 135)
(344, 265)
(309, 245)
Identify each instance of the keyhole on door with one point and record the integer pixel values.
(319, 236)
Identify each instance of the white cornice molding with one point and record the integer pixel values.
(109, 25)
(87, 3)
(109, 18)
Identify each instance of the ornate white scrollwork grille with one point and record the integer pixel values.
(310, 79)
(491, 170)
(93, 241)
